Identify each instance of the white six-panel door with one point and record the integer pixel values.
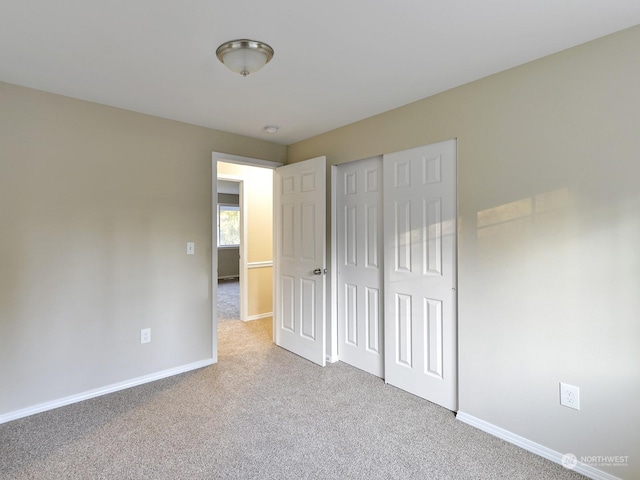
(359, 263)
(414, 343)
(299, 258)
(420, 272)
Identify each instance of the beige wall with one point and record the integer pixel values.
(549, 263)
(260, 292)
(96, 207)
(258, 210)
(228, 262)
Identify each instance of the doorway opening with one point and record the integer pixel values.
(229, 240)
(242, 243)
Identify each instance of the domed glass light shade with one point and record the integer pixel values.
(244, 56)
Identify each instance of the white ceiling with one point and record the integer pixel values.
(336, 61)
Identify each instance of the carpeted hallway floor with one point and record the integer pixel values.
(260, 413)
(228, 300)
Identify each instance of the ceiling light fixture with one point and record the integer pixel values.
(271, 129)
(244, 56)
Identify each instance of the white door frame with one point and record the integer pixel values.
(332, 288)
(228, 158)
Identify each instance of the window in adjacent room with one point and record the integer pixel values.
(228, 225)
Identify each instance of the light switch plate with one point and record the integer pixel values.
(145, 335)
(191, 248)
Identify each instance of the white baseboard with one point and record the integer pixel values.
(96, 392)
(533, 447)
(259, 316)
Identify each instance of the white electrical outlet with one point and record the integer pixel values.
(145, 335)
(569, 396)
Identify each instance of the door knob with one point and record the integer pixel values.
(318, 271)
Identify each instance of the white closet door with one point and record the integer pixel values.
(300, 258)
(420, 272)
(359, 262)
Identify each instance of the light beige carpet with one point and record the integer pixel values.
(228, 300)
(260, 413)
